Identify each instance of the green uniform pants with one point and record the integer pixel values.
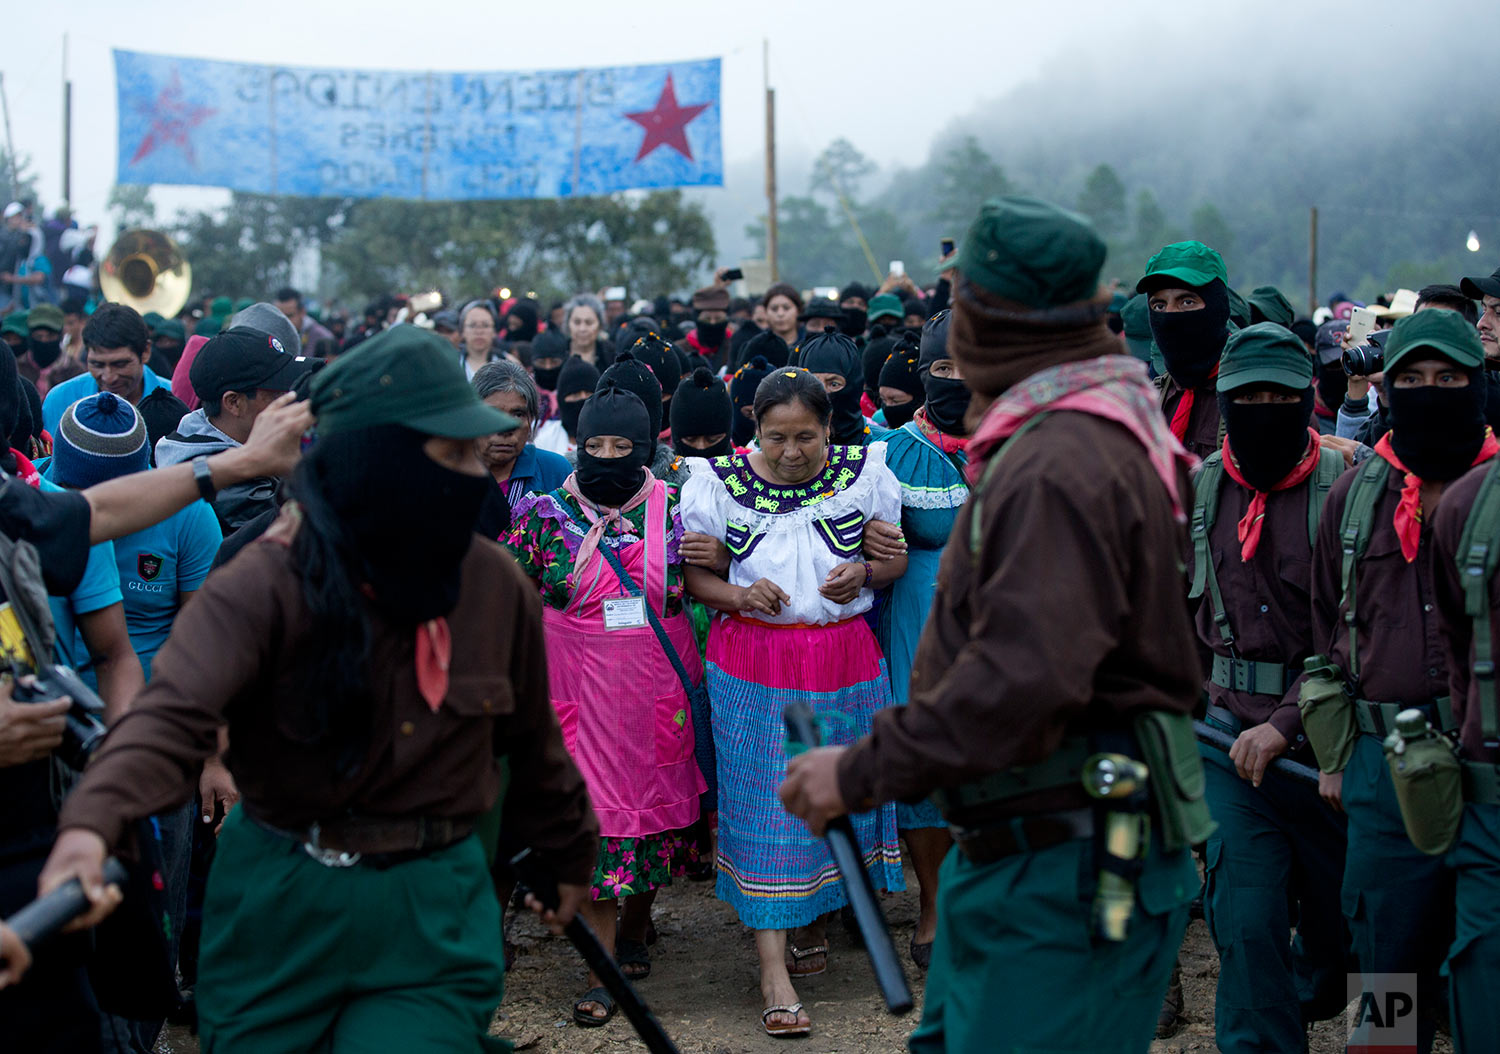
(1474, 961)
(1398, 900)
(1277, 845)
(1015, 967)
(355, 960)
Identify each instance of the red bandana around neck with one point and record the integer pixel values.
(1254, 518)
(1408, 518)
(1184, 411)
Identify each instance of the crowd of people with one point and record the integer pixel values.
(373, 606)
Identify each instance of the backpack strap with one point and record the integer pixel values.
(1478, 554)
(976, 494)
(1330, 468)
(1206, 490)
(1354, 538)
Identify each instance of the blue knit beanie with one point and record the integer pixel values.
(99, 438)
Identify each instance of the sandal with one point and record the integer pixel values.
(585, 1018)
(784, 1031)
(634, 959)
(796, 969)
(921, 954)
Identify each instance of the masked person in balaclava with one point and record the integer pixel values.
(709, 341)
(1251, 585)
(520, 323)
(871, 358)
(1188, 293)
(662, 360)
(549, 352)
(1331, 383)
(369, 624)
(854, 302)
(576, 381)
(901, 391)
(768, 346)
(612, 682)
(1381, 642)
(742, 388)
(635, 376)
(834, 359)
(702, 416)
(1035, 644)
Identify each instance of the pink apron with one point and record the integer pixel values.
(624, 714)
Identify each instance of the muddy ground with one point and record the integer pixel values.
(704, 989)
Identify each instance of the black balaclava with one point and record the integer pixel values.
(658, 355)
(871, 359)
(33, 400)
(901, 372)
(10, 409)
(634, 330)
(836, 353)
(742, 394)
(549, 345)
(409, 520)
(854, 322)
(1333, 385)
(613, 410)
(44, 352)
(1437, 432)
(1267, 439)
(574, 376)
(1191, 341)
(711, 334)
(525, 311)
(702, 407)
(947, 397)
(635, 376)
(768, 346)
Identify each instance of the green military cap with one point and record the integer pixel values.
(1117, 301)
(886, 304)
(1239, 310)
(404, 376)
(209, 327)
(1271, 305)
(1136, 314)
(1188, 264)
(153, 319)
(1446, 332)
(1032, 252)
(222, 307)
(170, 328)
(1264, 353)
(45, 316)
(15, 322)
(242, 303)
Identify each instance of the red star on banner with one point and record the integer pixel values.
(172, 119)
(667, 124)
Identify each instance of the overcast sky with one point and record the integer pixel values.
(888, 75)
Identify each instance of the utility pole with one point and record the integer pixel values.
(1312, 260)
(771, 231)
(67, 134)
(10, 144)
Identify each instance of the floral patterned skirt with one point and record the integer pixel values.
(638, 865)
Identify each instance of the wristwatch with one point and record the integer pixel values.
(204, 477)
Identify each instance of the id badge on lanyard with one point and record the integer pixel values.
(624, 612)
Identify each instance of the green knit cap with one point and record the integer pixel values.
(1032, 252)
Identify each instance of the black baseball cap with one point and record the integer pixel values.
(244, 360)
(1478, 288)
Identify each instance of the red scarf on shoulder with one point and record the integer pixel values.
(1184, 412)
(1408, 519)
(1254, 518)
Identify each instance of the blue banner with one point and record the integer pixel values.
(431, 136)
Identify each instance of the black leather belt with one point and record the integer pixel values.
(1022, 834)
(374, 842)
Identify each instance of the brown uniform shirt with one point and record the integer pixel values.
(1268, 601)
(1072, 616)
(1205, 433)
(1458, 628)
(231, 658)
(1401, 657)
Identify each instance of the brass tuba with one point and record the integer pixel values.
(147, 271)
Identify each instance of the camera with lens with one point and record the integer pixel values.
(1366, 358)
(83, 726)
